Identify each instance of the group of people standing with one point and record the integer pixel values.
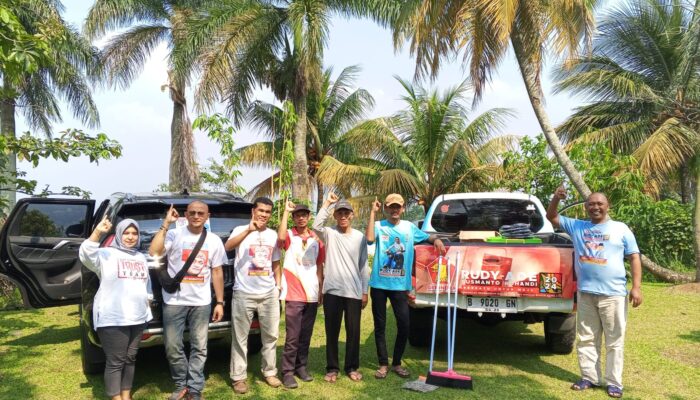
(322, 265)
(328, 266)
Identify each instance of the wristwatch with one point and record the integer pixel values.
(220, 302)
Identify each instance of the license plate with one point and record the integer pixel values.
(492, 304)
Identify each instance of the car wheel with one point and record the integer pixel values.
(420, 326)
(92, 357)
(560, 341)
(254, 343)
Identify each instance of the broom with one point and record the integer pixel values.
(448, 378)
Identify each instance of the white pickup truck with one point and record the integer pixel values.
(498, 278)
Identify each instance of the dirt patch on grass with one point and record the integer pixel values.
(687, 288)
(688, 354)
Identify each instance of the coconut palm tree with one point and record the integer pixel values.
(70, 63)
(331, 112)
(271, 43)
(427, 149)
(643, 84)
(485, 30)
(149, 23)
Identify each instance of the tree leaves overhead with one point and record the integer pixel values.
(643, 101)
(426, 149)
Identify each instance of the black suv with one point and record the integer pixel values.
(39, 253)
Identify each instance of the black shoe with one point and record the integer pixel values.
(290, 382)
(303, 375)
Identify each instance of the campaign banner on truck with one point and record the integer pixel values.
(497, 270)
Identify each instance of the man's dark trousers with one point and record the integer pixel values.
(399, 303)
(299, 321)
(333, 308)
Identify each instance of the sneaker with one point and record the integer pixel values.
(290, 382)
(179, 394)
(240, 387)
(303, 374)
(273, 381)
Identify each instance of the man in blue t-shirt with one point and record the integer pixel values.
(391, 276)
(600, 246)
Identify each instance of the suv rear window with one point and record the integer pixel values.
(452, 216)
(224, 217)
(51, 220)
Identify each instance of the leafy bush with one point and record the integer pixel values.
(664, 231)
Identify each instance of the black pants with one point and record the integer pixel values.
(299, 320)
(333, 308)
(399, 303)
(120, 344)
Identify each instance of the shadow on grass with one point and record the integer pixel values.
(693, 336)
(478, 349)
(14, 384)
(11, 321)
(48, 335)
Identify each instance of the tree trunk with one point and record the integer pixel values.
(319, 195)
(530, 74)
(533, 86)
(664, 274)
(696, 225)
(184, 171)
(685, 183)
(8, 128)
(300, 175)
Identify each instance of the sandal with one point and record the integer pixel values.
(382, 372)
(331, 377)
(583, 384)
(401, 371)
(614, 391)
(355, 376)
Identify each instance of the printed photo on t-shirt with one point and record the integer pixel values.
(261, 260)
(594, 247)
(195, 273)
(393, 258)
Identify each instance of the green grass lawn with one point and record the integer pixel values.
(40, 359)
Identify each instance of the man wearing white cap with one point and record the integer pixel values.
(391, 279)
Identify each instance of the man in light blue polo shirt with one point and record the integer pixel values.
(600, 245)
(391, 276)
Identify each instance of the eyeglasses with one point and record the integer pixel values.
(196, 213)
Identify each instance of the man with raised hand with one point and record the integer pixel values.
(345, 279)
(600, 247)
(394, 238)
(191, 304)
(301, 281)
(256, 289)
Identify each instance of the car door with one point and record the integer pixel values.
(39, 248)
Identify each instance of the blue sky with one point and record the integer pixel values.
(139, 117)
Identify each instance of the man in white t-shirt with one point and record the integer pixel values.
(191, 304)
(256, 289)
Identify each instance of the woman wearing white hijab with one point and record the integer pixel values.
(120, 309)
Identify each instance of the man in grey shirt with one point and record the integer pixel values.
(346, 276)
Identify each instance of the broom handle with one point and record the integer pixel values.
(449, 313)
(454, 317)
(437, 293)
